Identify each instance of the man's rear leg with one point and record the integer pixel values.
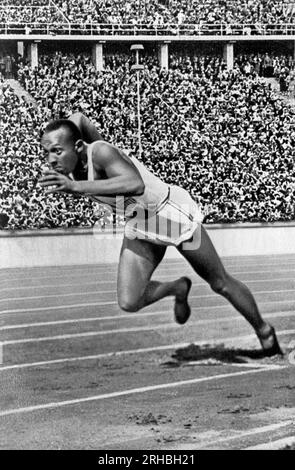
(208, 265)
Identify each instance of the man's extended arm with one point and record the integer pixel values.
(87, 128)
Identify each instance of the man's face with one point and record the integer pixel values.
(61, 151)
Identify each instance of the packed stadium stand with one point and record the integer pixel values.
(220, 132)
(19, 11)
(159, 11)
(174, 11)
(222, 135)
(174, 17)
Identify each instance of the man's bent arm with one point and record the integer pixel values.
(122, 177)
(87, 128)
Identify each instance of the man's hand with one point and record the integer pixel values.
(56, 182)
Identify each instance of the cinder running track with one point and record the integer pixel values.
(78, 373)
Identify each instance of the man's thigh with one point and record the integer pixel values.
(138, 260)
(205, 260)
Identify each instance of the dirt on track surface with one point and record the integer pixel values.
(78, 373)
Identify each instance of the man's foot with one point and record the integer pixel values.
(182, 309)
(269, 343)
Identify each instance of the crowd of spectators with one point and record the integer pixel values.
(267, 65)
(32, 11)
(178, 11)
(223, 135)
(230, 11)
(151, 13)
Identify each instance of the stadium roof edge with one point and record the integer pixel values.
(145, 38)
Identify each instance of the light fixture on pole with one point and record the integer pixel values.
(137, 68)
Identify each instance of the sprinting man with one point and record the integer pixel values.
(157, 215)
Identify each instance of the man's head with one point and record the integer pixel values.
(62, 142)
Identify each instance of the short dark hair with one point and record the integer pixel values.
(74, 131)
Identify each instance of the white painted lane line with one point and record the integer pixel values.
(164, 276)
(94, 356)
(245, 365)
(90, 334)
(133, 391)
(274, 445)
(239, 435)
(114, 291)
(96, 333)
(58, 307)
(115, 317)
(69, 294)
(285, 313)
(224, 305)
(231, 339)
(46, 286)
(99, 267)
(166, 263)
(85, 272)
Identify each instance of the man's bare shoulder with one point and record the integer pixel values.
(105, 155)
(101, 147)
(103, 152)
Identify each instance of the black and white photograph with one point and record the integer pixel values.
(147, 227)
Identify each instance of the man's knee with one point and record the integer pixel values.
(220, 285)
(128, 304)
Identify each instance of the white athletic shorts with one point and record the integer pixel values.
(176, 221)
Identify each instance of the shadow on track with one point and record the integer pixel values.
(208, 354)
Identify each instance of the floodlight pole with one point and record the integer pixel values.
(137, 67)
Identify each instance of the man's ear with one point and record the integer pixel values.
(79, 146)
